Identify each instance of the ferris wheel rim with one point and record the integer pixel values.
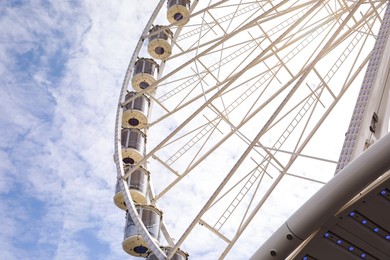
(117, 144)
(120, 172)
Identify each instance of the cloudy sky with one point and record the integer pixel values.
(62, 65)
(61, 71)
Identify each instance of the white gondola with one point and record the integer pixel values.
(133, 243)
(137, 181)
(179, 254)
(133, 143)
(119, 200)
(144, 73)
(159, 46)
(178, 11)
(135, 112)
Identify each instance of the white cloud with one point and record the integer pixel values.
(61, 72)
(62, 66)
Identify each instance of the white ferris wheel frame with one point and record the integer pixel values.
(332, 43)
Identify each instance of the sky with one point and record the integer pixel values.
(61, 72)
(62, 65)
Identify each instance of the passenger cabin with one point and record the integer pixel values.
(159, 46)
(135, 111)
(133, 243)
(144, 73)
(178, 11)
(119, 199)
(138, 182)
(133, 143)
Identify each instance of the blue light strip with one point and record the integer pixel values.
(370, 225)
(308, 257)
(349, 247)
(385, 193)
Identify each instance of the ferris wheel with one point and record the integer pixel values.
(231, 115)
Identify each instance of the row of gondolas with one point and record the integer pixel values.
(133, 137)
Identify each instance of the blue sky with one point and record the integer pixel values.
(62, 65)
(61, 70)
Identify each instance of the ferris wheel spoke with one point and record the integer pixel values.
(223, 140)
(214, 230)
(220, 91)
(281, 175)
(299, 149)
(257, 169)
(325, 80)
(232, 170)
(305, 178)
(302, 46)
(232, 34)
(191, 80)
(238, 107)
(206, 26)
(258, 174)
